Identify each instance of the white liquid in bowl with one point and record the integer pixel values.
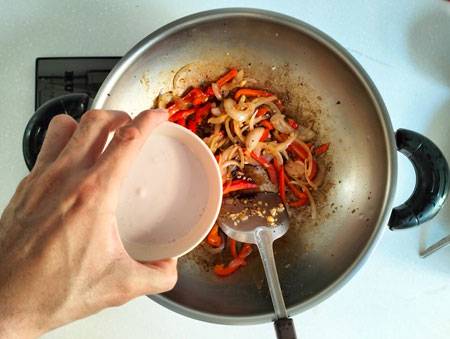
(166, 202)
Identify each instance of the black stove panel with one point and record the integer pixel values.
(60, 76)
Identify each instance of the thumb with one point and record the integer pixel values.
(154, 277)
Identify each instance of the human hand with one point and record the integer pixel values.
(61, 257)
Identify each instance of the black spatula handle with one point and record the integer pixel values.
(285, 329)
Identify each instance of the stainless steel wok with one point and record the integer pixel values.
(321, 83)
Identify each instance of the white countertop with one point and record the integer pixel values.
(404, 46)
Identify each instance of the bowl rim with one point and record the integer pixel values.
(379, 106)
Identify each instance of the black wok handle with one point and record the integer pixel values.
(432, 180)
(285, 328)
(75, 105)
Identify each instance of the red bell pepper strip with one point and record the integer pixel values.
(200, 113)
(250, 92)
(245, 251)
(192, 125)
(300, 195)
(265, 135)
(233, 248)
(262, 110)
(181, 114)
(222, 271)
(213, 238)
(298, 150)
(292, 123)
(298, 203)
(321, 149)
(268, 167)
(196, 96)
(281, 183)
(267, 124)
(233, 265)
(227, 77)
(238, 185)
(181, 122)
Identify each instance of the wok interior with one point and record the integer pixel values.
(317, 86)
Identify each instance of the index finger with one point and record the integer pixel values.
(116, 160)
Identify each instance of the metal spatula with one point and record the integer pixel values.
(261, 219)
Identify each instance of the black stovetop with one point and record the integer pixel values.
(65, 75)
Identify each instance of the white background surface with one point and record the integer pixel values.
(405, 48)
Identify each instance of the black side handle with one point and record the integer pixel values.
(285, 329)
(432, 180)
(75, 105)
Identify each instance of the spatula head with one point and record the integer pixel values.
(241, 215)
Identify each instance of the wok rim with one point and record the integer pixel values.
(339, 51)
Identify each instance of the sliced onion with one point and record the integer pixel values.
(218, 120)
(320, 177)
(216, 91)
(233, 151)
(239, 76)
(258, 149)
(238, 131)
(243, 114)
(230, 163)
(216, 111)
(285, 144)
(253, 138)
(312, 203)
(241, 101)
(220, 143)
(236, 82)
(228, 130)
(305, 133)
(241, 156)
(251, 122)
(299, 183)
(308, 151)
(217, 128)
(228, 153)
(276, 155)
(274, 108)
(259, 119)
(236, 114)
(280, 124)
(215, 142)
(308, 168)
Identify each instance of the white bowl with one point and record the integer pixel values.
(171, 196)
